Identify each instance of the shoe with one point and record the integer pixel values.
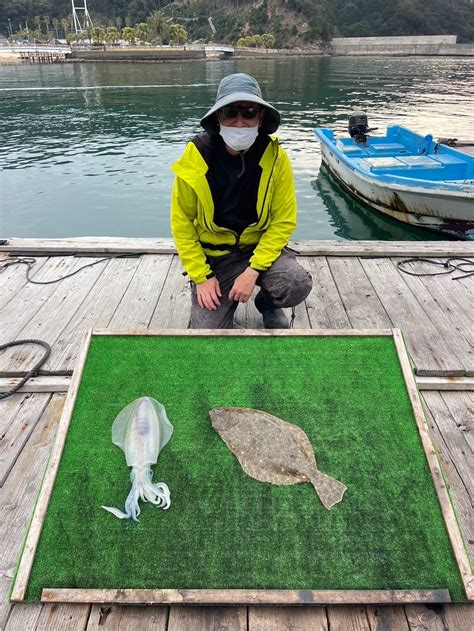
(273, 318)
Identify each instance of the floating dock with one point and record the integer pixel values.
(356, 285)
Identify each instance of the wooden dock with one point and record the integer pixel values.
(356, 285)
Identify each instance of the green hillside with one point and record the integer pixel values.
(292, 22)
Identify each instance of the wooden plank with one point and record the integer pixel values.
(140, 298)
(457, 465)
(13, 279)
(461, 406)
(249, 332)
(430, 354)
(23, 573)
(436, 473)
(287, 618)
(360, 301)
(242, 596)
(17, 497)
(174, 306)
(48, 322)
(459, 291)
(445, 383)
(207, 618)
(96, 310)
(36, 384)
(300, 246)
(456, 329)
(19, 429)
(99, 245)
(23, 617)
(64, 617)
(421, 618)
(324, 305)
(459, 616)
(387, 618)
(348, 619)
(128, 618)
(18, 312)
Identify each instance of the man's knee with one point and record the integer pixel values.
(289, 287)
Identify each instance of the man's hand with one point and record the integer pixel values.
(244, 285)
(208, 294)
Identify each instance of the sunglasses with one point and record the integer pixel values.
(232, 111)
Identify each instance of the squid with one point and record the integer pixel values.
(141, 430)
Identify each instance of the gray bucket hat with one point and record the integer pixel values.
(240, 87)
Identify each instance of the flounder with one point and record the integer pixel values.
(272, 450)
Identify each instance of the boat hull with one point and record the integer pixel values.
(439, 210)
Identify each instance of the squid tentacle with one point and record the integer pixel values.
(142, 488)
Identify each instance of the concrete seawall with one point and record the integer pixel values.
(137, 54)
(401, 46)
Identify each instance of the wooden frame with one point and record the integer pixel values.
(243, 596)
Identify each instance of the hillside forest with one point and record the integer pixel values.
(279, 23)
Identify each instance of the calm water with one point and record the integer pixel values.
(86, 149)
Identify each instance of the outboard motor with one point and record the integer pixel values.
(358, 127)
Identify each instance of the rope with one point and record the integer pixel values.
(292, 317)
(29, 262)
(31, 373)
(449, 267)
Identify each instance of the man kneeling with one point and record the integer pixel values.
(233, 210)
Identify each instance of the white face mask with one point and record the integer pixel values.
(239, 138)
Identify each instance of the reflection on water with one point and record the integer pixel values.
(86, 149)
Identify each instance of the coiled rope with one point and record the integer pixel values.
(452, 264)
(34, 372)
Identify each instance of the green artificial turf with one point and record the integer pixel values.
(225, 529)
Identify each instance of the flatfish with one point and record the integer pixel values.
(272, 450)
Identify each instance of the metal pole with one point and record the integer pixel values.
(10, 27)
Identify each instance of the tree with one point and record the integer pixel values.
(268, 40)
(178, 34)
(112, 35)
(142, 33)
(66, 26)
(128, 34)
(97, 34)
(157, 26)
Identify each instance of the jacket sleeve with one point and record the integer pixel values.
(183, 214)
(282, 217)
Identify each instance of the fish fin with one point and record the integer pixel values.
(329, 490)
(115, 511)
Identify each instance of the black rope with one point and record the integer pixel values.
(29, 262)
(31, 373)
(450, 265)
(292, 317)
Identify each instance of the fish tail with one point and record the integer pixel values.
(329, 490)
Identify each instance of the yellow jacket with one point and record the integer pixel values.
(192, 213)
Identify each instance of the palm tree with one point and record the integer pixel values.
(142, 32)
(128, 34)
(112, 34)
(178, 34)
(157, 25)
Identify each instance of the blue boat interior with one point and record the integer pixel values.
(403, 154)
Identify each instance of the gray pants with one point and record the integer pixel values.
(284, 284)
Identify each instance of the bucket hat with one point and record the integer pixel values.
(240, 87)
